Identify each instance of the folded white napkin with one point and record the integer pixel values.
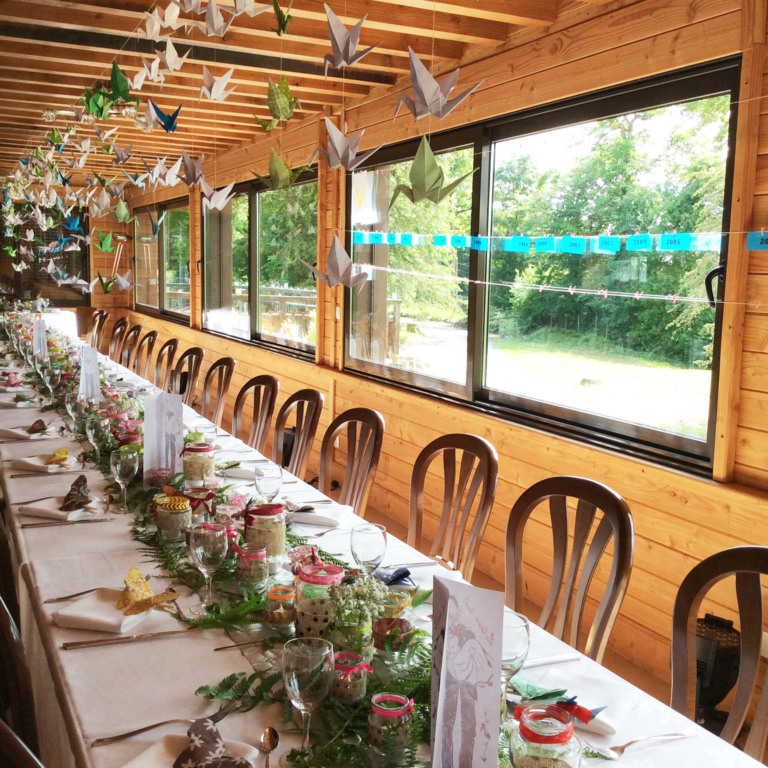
(37, 464)
(164, 753)
(239, 473)
(21, 433)
(312, 518)
(49, 509)
(12, 404)
(423, 577)
(20, 388)
(97, 611)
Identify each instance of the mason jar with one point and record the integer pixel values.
(396, 621)
(173, 516)
(545, 739)
(251, 568)
(313, 598)
(350, 678)
(280, 610)
(265, 527)
(199, 464)
(390, 721)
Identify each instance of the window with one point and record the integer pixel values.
(162, 259)
(255, 284)
(580, 303)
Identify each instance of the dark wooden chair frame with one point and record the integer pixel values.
(476, 480)
(191, 359)
(264, 390)
(143, 354)
(616, 522)
(747, 564)
(130, 342)
(222, 370)
(15, 750)
(95, 320)
(308, 404)
(119, 329)
(166, 354)
(365, 435)
(100, 327)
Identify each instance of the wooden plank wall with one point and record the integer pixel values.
(679, 519)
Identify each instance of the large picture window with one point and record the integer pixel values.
(255, 284)
(162, 259)
(565, 281)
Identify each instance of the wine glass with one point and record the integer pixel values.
(515, 643)
(208, 548)
(209, 433)
(307, 676)
(95, 426)
(52, 378)
(369, 543)
(268, 482)
(124, 464)
(70, 403)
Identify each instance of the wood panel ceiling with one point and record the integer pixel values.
(51, 50)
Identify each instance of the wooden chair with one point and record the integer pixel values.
(144, 354)
(365, 434)
(184, 382)
(98, 329)
(308, 404)
(616, 522)
(14, 752)
(747, 564)
(95, 321)
(222, 371)
(264, 390)
(477, 475)
(118, 337)
(20, 707)
(129, 345)
(166, 355)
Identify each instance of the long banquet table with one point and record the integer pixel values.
(89, 693)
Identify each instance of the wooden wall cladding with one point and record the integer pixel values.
(679, 519)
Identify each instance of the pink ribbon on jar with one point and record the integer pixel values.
(406, 709)
(231, 534)
(345, 672)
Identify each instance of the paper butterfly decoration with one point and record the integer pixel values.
(59, 458)
(339, 268)
(160, 118)
(280, 102)
(283, 17)
(344, 42)
(427, 179)
(206, 749)
(138, 597)
(342, 150)
(280, 174)
(429, 96)
(214, 88)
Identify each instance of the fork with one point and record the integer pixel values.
(215, 717)
(614, 753)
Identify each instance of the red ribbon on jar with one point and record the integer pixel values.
(406, 709)
(346, 671)
(561, 712)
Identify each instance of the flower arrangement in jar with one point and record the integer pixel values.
(355, 605)
(395, 624)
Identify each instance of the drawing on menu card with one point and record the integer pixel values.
(466, 674)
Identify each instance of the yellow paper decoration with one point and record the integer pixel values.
(138, 597)
(60, 457)
(140, 606)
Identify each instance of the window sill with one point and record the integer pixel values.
(163, 315)
(306, 356)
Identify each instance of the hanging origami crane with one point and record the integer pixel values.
(124, 282)
(344, 42)
(171, 60)
(281, 175)
(283, 17)
(193, 172)
(137, 179)
(215, 25)
(152, 70)
(121, 86)
(97, 103)
(104, 242)
(342, 150)
(280, 102)
(339, 268)
(249, 7)
(104, 135)
(216, 199)
(160, 118)
(213, 88)
(72, 224)
(155, 224)
(123, 213)
(427, 179)
(429, 96)
(121, 155)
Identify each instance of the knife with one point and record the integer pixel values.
(122, 640)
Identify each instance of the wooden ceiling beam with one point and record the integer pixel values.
(534, 13)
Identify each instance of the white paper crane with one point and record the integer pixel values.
(344, 42)
(342, 150)
(214, 88)
(339, 269)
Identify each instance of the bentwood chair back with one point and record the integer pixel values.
(118, 337)
(144, 354)
(263, 392)
(95, 320)
(19, 709)
(14, 753)
(220, 375)
(308, 405)
(185, 373)
(100, 327)
(467, 483)
(616, 523)
(365, 433)
(129, 345)
(747, 564)
(165, 356)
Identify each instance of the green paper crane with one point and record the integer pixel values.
(123, 213)
(103, 181)
(54, 139)
(106, 285)
(10, 250)
(283, 17)
(121, 88)
(105, 242)
(280, 174)
(97, 103)
(280, 102)
(427, 179)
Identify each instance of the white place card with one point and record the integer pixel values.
(163, 432)
(39, 340)
(467, 632)
(90, 388)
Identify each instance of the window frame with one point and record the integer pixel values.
(161, 311)
(691, 84)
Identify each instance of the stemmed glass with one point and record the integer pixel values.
(515, 643)
(95, 427)
(52, 378)
(124, 465)
(369, 543)
(208, 548)
(268, 482)
(307, 676)
(70, 403)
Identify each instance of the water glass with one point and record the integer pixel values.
(369, 543)
(95, 428)
(207, 547)
(515, 643)
(307, 676)
(208, 432)
(268, 482)
(52, 378)
(124, 465)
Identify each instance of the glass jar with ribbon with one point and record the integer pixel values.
(265, 527)
(389, 723)
(314, 611)
(545, 738)
(280, 610)
(251, 569)
(203, 503)
(199, 464)
(396, 622)
(173, 516)
(350, 677)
